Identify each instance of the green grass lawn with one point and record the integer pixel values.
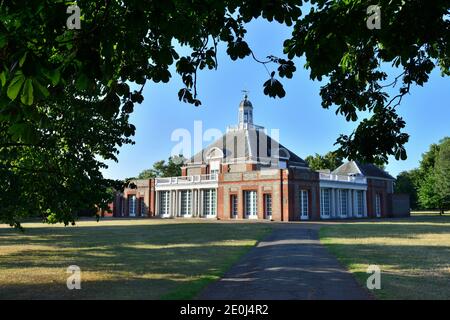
(121, 259)
(413, 254)
(426, 213)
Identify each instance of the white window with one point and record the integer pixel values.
(164, 198)
(359, 203)
(344, 202)
(214, 166)
(186, 199)
(325, 202)
(250, 198)
(234, 205)
(268, 206)
(142, 207)
(378, 205)
(304, 204)
(132, 206)
(209, 202)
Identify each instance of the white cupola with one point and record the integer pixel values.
(245, 113)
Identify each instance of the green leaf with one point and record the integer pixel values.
(27, 93)
(40, 88)
(3, 78)
(22, 60)
(3, 40)
(82, 82)
(15, 85)
(53, 75)
(22, 132)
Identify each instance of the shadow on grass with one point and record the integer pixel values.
(413, 254)
(121, 262)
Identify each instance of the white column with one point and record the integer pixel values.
(338, 203)
(194, 202)
(350, 204)
(200, 198)
(320, 203)
(355, 203)
(157, 203)
(178, 203)
(173, 203)
(197, 203)
(191, 208)
(170, 203)
(332, 204)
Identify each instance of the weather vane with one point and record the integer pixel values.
(245, 92)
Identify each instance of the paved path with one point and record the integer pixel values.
(288, 264)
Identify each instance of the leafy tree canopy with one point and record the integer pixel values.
(122, 45)
(162, 169)
(429, 185)
(443, 175)
(406, 183)
(329, 161)
(56, 173)
(123, 42)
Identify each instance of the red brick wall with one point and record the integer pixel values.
(250, 167)
(301, 179)
(238, 183)
(225, 168)
(221, 214)
(152, 199)
(375, 186)
(283, 186)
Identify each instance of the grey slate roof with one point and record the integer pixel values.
(249, 144)
(366, 169)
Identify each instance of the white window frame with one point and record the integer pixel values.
(164, 203)
(268, 205)
(142, 206)
(209, 203)
(325, 206)
(378, 205)
(359, 203)
(343, 202)
(234, 206)
(132, 206)
(304, 204)
(186, 202)
(251, 204)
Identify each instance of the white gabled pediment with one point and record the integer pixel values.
(214, 153)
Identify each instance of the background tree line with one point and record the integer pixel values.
(161, 169)
(429, 184)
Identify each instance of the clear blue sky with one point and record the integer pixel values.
(305, 127)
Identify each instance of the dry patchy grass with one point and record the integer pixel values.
(413, 254)
(121, 259)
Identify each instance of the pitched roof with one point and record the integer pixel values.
(250, 144)
(365, 169)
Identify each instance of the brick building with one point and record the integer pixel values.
(246, 174)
